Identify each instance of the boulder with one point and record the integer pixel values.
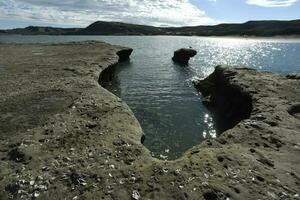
(124, 54)
(182, 56)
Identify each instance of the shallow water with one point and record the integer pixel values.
(160, 93)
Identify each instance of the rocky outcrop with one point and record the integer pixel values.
(182, 56)
(124, 54)
(63, 136)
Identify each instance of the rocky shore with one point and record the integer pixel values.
(63, 136)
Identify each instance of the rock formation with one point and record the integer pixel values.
(182, 56)
(63, 136)
(124, 54)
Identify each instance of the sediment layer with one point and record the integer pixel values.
(63, 136)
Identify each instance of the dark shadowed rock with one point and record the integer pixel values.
(17, 155)
(295, 76)
(182, 56)
(124, 54)
(233, 102)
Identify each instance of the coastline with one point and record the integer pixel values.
(64, 136)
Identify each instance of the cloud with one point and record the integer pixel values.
(272, 3)
(83, 12)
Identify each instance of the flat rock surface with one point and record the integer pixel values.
(63, 136)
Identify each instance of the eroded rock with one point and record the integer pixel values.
(182, 56)
(90, 147)
(124, 54)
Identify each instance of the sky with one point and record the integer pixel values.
(81, 13)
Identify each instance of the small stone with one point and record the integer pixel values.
(36, 194)
(112, 166)
(45, 168)
(177, 171)
(136, 195)
(83, 183)
(271, 194)
(206, 175)
(165, 170)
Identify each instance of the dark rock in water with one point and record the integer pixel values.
(182, 56)
(124, 54)
(294, 76)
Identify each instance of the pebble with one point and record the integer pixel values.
(112, 166)
(36, 194)
(271, 194)
(136, 195)
(31, 183)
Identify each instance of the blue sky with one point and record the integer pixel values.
(80, 13)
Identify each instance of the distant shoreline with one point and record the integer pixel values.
(288, 38)
(272, 28)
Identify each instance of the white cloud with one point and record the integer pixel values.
(83, 12)
(272, 3)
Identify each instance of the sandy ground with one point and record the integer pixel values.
(63, 136)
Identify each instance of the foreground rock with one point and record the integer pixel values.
(182, 56)
(65, 137)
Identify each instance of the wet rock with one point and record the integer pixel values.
(182, 56)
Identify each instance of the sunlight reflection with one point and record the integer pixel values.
(211, 133)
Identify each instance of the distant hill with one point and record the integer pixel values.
(119, 28)
(250, 28)
(38, 30)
